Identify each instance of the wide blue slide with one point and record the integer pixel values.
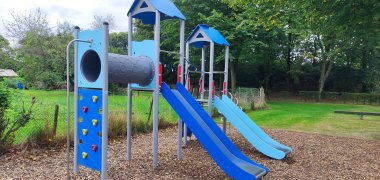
(211, 137)
(252, 132)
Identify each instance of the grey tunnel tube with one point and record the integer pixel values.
(122, 69)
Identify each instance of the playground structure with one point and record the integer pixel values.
(201, 37)
(95, 68)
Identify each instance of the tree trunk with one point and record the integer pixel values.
(289, 63)
(325, 72)
(233, 67)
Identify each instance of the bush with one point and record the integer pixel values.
(12, 82)
(285, 94)
(358, 98)
(361, 98)
(4, 96)
(309, 95)
(118, 121)
(117, 125)
(9, 125)
(40, 136)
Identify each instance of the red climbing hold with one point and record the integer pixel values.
(85, 109)
(94, 147)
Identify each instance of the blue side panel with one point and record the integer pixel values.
(144, 48)
(92, 138)
(216, 143)
(254, 127)
(239, 124)
(96, 45)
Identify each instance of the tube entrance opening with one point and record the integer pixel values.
(90, 65)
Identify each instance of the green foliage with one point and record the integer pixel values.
(4, 96)
(329, 34)
(12, 82)
(13, 116)
(119, 43)
(42, 59)
(280, 45)
(357, 98)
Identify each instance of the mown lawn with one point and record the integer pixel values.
(319, 118)
(295, 116)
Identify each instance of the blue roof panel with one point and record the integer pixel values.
(167, 9)
(212, 33)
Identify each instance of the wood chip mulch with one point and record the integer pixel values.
(314, 157)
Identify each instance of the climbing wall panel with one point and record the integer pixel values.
(90, 128)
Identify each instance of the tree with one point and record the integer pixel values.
(40, 55)
(334, 25)
(30, 21)
(98, 21)
(326, 33)
(119, 43)
(6, 61)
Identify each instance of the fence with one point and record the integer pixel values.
(49, 123)
(356, 98)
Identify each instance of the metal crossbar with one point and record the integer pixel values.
(170, 52)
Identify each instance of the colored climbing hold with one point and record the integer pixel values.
(84, 131)
(85, 109)
(94, 147)
(84, 155)
(94, 122)
(94, 99)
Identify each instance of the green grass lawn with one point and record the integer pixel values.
(319, 118)
(46, 100)
(295, 116)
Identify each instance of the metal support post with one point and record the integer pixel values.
(157, 29)
(225, 83)
(129, 111)
(105, 101)
(211, 77)
(187, 85)
(76, 168)
(181, 62)
(203, 60)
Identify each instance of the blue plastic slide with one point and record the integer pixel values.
(246, 131)
(254, 134)
(211, 137)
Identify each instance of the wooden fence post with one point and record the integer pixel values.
(55, 119)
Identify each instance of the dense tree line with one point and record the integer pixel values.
(289, 45)
(39, 56)
(281, 45)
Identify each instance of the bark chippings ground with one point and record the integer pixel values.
(314, 157)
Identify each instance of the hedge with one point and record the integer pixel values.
(358, 98)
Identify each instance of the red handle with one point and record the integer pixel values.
(160, 74)
(213, 89)
(188, 84)
(200, 86)
(179, 73)
(225, 88)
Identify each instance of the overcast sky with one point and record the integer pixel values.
(76, 12)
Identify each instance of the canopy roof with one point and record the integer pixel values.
(203, 34)
(145, 10)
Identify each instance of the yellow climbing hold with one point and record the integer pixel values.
(84, 131)
(94, 99)
(94, 122)
(84, 155)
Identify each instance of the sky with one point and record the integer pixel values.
(76, 12)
